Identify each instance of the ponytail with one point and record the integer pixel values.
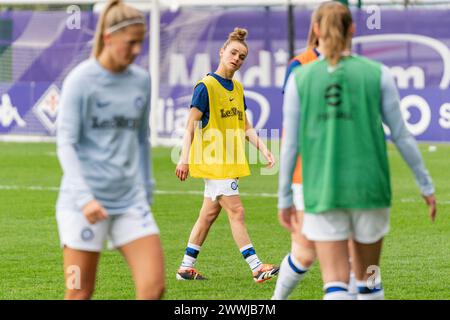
(313, 41)
(334, 21)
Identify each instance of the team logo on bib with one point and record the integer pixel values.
(87, 234)
(234, 185)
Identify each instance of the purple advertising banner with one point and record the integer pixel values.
(38, 49)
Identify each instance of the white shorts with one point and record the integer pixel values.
(217, 188)
(297, 193)
(77, 233)
(364, 226)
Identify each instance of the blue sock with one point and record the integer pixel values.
(190, 255)
(336, 290)
(366, 292)
(249, 254)
(290, 274)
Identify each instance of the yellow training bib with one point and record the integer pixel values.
(218, 150)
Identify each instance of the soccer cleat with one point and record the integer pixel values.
(189, 274)
(266, 272)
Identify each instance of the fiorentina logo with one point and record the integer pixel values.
(46, 109)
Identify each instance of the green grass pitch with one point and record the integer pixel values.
(415, 260)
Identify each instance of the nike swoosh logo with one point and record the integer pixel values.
(231, 99)
(103, 104)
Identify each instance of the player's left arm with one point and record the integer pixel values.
(254, 139)
(145, 151)
(404, 140)
(289, 152)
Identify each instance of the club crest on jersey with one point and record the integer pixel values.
(87, 234)
(139, 103)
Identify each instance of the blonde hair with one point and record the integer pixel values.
(313, 41)
(334, 20)
(239, 35)
(114, 13)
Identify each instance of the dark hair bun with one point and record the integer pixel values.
(239, 34)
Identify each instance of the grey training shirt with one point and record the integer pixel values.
(102, 137)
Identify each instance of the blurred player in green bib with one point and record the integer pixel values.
(332, 115)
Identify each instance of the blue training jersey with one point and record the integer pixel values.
(102, 137)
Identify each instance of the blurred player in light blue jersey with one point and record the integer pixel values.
(332, 114)
(103, 148)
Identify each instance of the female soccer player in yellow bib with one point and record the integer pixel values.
(213, 149)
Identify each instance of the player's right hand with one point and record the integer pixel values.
(431, 202)
(182, 171)
(288, 218)
(94, 212)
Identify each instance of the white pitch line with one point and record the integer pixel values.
(196, 193)
(164, 192)
(33, 188)
(245, 194)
